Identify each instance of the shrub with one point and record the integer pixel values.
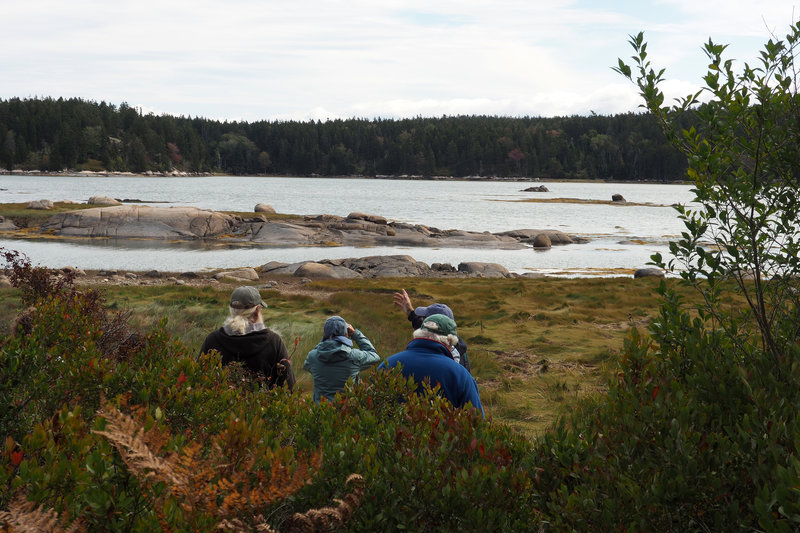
(147, 435)
(700, 428)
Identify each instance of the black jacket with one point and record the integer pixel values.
(260, 351)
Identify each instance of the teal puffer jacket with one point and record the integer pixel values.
(332, 363)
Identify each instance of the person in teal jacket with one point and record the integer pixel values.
(334, 360)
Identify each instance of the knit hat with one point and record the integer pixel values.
(434, 309)
(246, 297)
(336, 328)
(439, 324)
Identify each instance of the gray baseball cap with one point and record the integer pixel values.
(246, 297)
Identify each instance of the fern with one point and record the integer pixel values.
(25, 516)
(217, 486)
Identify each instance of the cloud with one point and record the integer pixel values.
(252, 60)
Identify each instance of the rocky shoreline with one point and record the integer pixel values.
(112, 219)
(265, 228)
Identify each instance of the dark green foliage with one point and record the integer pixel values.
(701, 429)
(52, 134)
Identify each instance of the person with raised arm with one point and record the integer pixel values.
(418, 315)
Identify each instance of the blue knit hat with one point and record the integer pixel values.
(435, 309)
(336, 328)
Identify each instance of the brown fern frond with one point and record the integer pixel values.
(161, 516)
(235, 525)
(265, 528)
(127, 437)
(330, 518)
(76, 527)
(25, 516)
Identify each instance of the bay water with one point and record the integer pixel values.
(620, 237)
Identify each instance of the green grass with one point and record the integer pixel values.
(537, 346)
(27, 218)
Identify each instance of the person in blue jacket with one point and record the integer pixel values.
(334, 360)
(416, 316)
(428, 357)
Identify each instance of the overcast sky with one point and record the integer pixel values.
(319, 59)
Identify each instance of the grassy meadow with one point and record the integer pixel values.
(537, 346)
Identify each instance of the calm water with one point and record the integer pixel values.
(621, 237)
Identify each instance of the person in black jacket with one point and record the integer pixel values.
(418, 315)
(244, 338)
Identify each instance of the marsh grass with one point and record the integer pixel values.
(537, 346)
(24, 217)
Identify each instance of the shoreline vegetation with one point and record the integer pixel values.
(412, 177)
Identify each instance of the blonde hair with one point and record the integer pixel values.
(447, 340)
(239, 319)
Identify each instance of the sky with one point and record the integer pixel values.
(278, 60)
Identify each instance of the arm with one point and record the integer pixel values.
(207, 344)
(415, 319)
(402, 300)
(461, 346)
(366, 355)
(283, 366)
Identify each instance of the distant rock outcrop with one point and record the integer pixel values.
(358, 229)
(542, 241)
(484, 270)
(244, 274)
(540, 188)
(617, 198)
(648, 273)
(6, 224)
(529, 236)
(141, 222)
(314, 270)
(103, 200)
(264, 208)
(40, 204)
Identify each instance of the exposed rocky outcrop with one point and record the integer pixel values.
(617, 198)
(542, 241)
(649, 273)
(143, 222)
(264, 208)
(243, 274)
(378, 266)
(103, 200)
(528, 236)
(540, 188)
(484, 270)
(6, 224)
(325, 270)
(40, 204)
(358, 229)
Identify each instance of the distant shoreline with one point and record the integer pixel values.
(181, 174)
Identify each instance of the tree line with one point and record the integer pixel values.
(51, 134)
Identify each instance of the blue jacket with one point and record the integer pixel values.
(424, 358)
(461, 346)
(332, 363)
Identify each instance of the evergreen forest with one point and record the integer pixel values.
(50, 134)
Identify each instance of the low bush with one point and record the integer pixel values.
(147, 435)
